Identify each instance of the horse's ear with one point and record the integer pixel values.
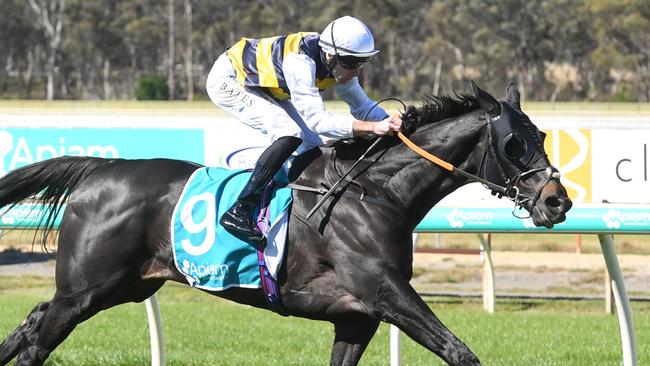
(513, 96)
(486, 101)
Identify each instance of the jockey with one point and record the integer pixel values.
(273, 84)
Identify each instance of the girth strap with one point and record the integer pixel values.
(269, 284)
(360, 196)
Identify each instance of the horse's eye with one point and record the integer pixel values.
(515, 147)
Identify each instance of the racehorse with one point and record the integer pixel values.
(349, 264)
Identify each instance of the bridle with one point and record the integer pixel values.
(509, 189)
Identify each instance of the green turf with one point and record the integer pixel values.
(200, 329)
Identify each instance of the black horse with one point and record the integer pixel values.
(350, 264)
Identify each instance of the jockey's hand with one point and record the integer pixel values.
(387, 126)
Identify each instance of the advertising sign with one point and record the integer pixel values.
(600, 159)
(623, 160)
(602, 165)
(24, 146)
(569, 150)
(477, 219)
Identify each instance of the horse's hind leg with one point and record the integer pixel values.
(65, 311)
(90, 276)
(10, 347)
(352, 336)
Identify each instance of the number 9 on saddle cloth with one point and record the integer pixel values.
(204, 252)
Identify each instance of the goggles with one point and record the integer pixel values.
(352, 62)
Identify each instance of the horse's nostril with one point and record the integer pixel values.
(553, 202)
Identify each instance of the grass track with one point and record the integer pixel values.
(201, 330)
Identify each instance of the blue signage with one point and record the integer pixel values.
(24, 146)
(27, 216)
(441, 219)
(579, 219)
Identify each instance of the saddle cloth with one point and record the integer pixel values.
(205, 253)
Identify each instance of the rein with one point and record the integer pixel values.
(447, 166)
(510, 190)
(363, 156)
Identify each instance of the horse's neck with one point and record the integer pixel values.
(417, 184)
(395, 173)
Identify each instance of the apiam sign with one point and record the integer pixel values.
(479, 219)
(24, 146)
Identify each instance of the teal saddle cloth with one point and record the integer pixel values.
(209, 256)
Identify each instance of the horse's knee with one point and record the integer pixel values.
(32, 321)
(36, 314)
(44, 329)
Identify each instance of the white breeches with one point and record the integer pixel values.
(256, 109)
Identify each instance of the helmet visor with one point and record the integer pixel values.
(352, 62)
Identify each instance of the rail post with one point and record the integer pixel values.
(155, 331)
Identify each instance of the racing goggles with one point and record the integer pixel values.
(352, 62)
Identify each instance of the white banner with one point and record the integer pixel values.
(621, 164)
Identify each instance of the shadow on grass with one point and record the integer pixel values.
(13, 256)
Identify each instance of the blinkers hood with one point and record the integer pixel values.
(515, 144)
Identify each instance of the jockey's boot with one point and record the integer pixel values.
(238, 220)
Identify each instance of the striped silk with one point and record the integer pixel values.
(258, 62)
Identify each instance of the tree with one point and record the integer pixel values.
(171, 41)
(49, 14)
(623, 44)
(95, 54)
(426, 47)
(561, 75)
(21, 43)
(188, 50)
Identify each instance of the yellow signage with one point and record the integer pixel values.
(570, 152)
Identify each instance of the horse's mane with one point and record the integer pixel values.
(436, 108)
(433, 109)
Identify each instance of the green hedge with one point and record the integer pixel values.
(151, 87)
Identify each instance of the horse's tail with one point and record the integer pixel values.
(49, 182)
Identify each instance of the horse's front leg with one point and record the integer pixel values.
(323, 298)
(352, 335)
(399, 304)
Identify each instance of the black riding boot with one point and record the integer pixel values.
(238, 219)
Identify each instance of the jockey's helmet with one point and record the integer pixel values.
(348, 36)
